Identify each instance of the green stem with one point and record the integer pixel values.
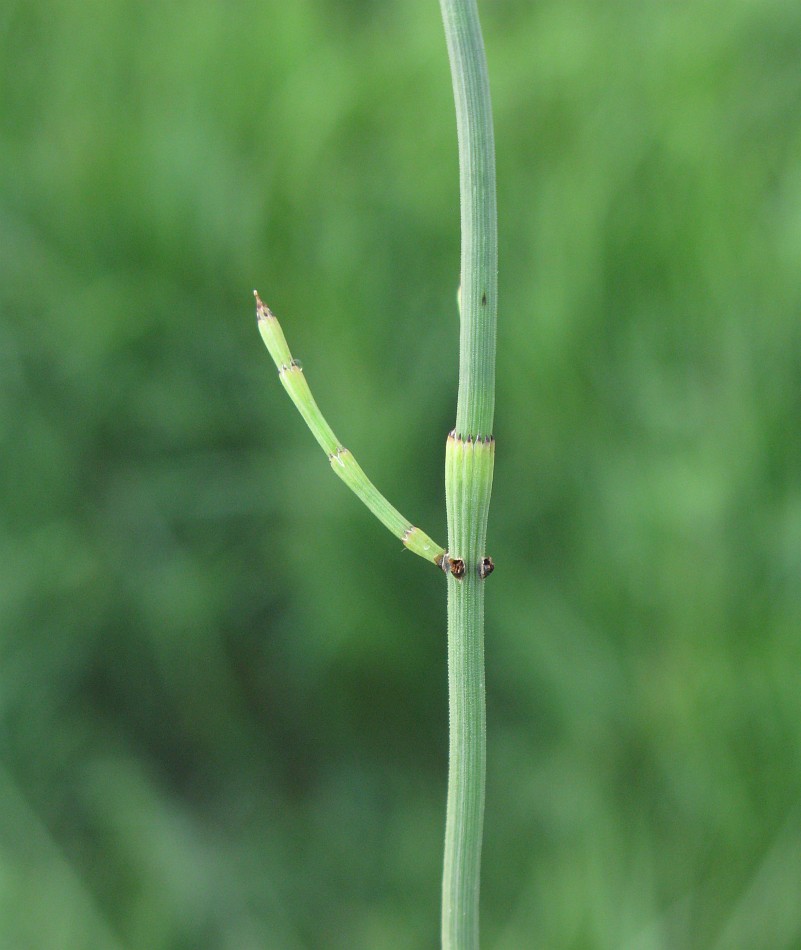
(468, 477)
(479, 270)
(342, 462)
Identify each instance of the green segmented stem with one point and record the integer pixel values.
(469, 462)
(342, 462)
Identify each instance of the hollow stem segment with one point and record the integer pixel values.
(342, 462)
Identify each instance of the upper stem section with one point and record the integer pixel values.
(479, 265)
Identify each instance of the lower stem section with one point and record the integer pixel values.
(469, 465)
(466, 763)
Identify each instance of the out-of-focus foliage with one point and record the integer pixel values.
(222, 685)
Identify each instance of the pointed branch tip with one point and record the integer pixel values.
(262, 310)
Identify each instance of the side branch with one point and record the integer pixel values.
(342, 462)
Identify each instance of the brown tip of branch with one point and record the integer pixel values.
(263, 312)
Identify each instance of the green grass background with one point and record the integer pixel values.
(222, 685)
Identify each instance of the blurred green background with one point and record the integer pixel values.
(222, 683)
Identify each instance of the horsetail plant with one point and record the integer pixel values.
(469, 462)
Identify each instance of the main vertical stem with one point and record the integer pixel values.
(468, 476)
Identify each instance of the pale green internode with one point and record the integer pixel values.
(342, 462)
(469, 467)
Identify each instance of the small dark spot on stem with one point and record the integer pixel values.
(485, 568)
(484, 300)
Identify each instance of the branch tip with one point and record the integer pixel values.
(262, 310)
